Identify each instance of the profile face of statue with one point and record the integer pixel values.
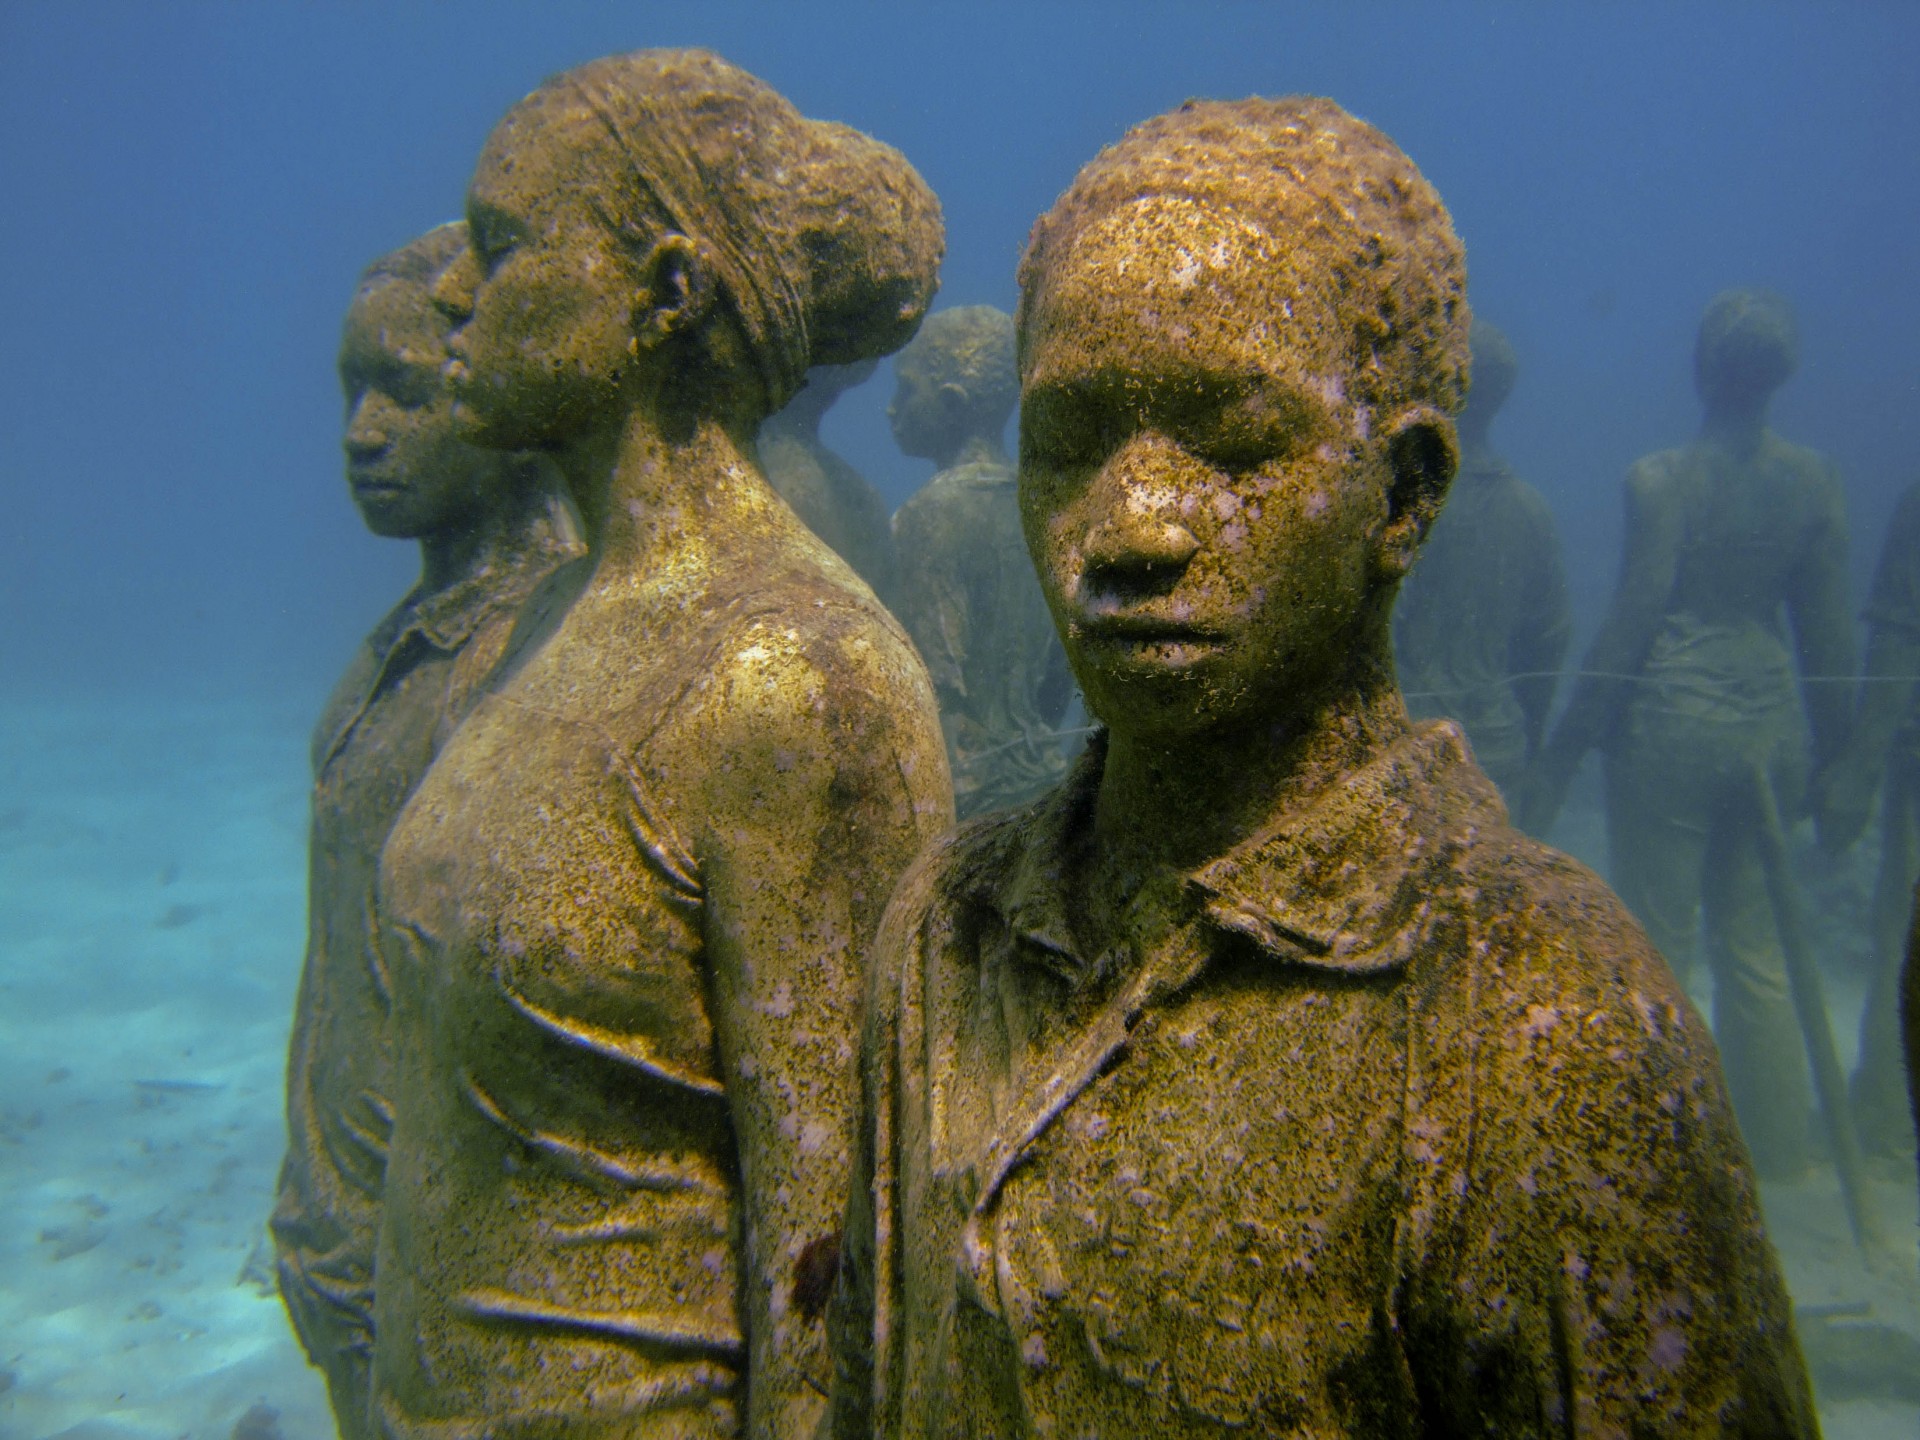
(1205, 508)
(410, 471)
(928, 414)
(547, 290)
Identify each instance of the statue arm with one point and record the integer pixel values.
(1606, 1263)
(1655, 527)
(860, 1325)
(824, 775)
(1822, 620)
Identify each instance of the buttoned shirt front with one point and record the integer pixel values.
(1407, 1131)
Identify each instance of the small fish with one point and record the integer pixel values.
(180, 1087)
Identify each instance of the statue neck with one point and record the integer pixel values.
(975, 450)
(648, 492)
(502, 533)
(1474, 431)
(1737, 422)
(1172, 806)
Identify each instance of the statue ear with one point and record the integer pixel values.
(1422, 454)
(676, 290)
(954, 402)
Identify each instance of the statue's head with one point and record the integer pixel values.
(662, 223)
(1495, 368)
(1747, 347)
(1243, 334)
(412, 474)
(955, 381)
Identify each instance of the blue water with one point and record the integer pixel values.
(188, 191)
(192, 188)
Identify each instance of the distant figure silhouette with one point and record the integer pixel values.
(968, 594)
(1733, 590)
(1482, 623)
(491, 526)
(832, 498)
(1883, 753)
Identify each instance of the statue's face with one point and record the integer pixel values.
(1202, 501)
(547, 291)
(410, 472)
(927, 415)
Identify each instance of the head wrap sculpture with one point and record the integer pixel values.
(821, 243)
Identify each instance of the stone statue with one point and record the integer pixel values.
(832, 498)
(491, 526)
(1482, 624)
(968, 595)
(623, 913)
(1260, 1077)
(1734, 579)
(1884, 745)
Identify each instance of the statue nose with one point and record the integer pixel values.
(1136, 556)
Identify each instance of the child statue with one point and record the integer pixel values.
(624, 912)
(1260, 1077)
(491, 526)
(968, 595)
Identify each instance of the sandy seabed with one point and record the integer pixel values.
(152, 874)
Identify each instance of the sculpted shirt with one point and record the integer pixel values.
(1408, 1132)
(413, 679)
(570, 1208)
(1483, 621)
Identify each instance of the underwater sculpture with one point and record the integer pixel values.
(1882, 753)
(968, 594)
(1482, 623)
(491, 526)
(1693, 690)
(1260, 1076)
(624, 910)
(832, 498)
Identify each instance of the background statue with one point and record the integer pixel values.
(491, 525)
(624, 910)
(1733, 590)
(1884, 745)
(1482, 624)
(1259, 1077)
(968, 595)
(829, 495)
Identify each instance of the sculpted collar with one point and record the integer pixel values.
(1344, 882)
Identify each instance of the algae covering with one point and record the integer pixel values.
(622, 914)
(1260, 1077)
(971, 601)
(491, 525)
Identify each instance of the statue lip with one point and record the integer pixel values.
(365, 484)
(1141, 627)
